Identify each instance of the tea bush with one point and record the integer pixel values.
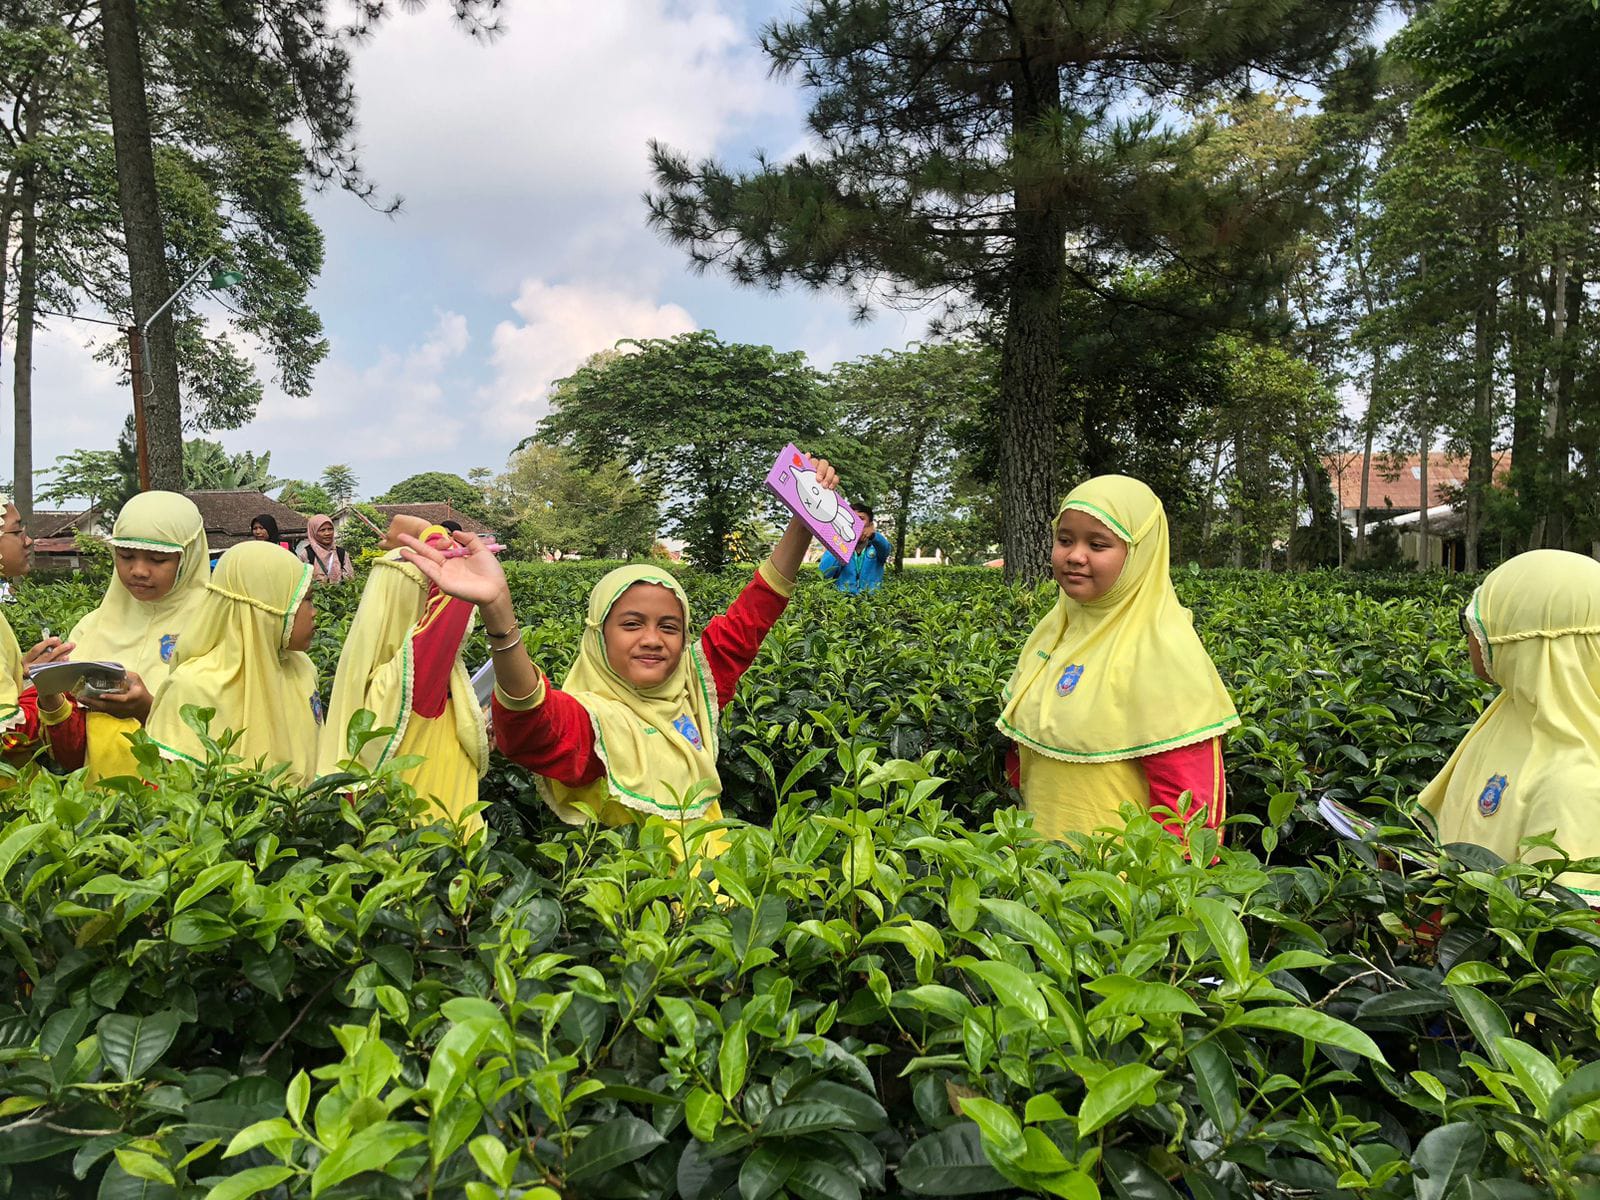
(228, 988)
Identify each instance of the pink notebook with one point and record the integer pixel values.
(794, 481)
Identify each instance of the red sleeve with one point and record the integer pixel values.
(1195, 769)
(435, 643)
(555, 740)
(69, 739)
(732, 639)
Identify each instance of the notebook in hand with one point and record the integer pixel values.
(82, 678)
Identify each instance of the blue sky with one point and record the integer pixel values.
(521, 248)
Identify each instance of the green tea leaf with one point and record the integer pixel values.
(131, 1045)
(1444, 1156)
(1113, 1094)
(949, 1163)
(250, 1182)
(764, 1173)
(620, 1140)
(1227, 936)
(1313, 1026)
(371, 1149)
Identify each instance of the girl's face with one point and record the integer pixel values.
(16, 547)
(1088, 558)
(259, 532)
(324, 534)
(643, 635)
(305, 624)
(147, 574)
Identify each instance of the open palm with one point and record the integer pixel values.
(475, 577)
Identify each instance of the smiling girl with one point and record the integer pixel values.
(632, 731)
(1114, 700)
(162, 565)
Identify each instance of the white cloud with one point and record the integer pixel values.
(561, 325)
(556, 112)
(405, 404)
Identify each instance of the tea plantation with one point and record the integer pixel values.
(888, 987)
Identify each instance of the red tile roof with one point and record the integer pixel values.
(1395, 480)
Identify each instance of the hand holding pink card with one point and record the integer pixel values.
(793, 479)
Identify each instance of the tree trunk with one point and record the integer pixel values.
(1558, 533)
(1210, 507)
(1030, 355)
(8, 205)
(22, 365)
(1239, 472)
(1480, 463)
(902, 513)
(1522, 353)
(1422, 513)
(1294, 518)
(1554, 400)
(146, 242)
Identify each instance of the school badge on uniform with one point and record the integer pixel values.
(685, 726)
(317, 711)
(169, 643)
(1069, 679)
(1493, 791)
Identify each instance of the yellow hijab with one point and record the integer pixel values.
(659, 745)
(234, 657)
(375, 673)
(12, 680)
(1531, 763)
(1125, 675)
(139, 634)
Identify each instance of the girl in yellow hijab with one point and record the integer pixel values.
(1531, 763)
(1114, 700)
(402, 662)
(162, 565)
(243, 654)
(632, 731)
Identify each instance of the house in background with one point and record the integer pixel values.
(55, 537)
(1394, 496)
(228, 514)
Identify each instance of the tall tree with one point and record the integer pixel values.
(432, 487)
(907, 406)
(340, 482)
(555, 506)
(700, 421)
(962, 145)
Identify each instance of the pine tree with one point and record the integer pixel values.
(990, 154)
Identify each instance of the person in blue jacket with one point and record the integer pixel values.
(863, 571)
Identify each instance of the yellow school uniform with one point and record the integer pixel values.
(142, 635)
(1100, 685)
(1530, 765)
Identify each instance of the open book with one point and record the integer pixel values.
(85, 678)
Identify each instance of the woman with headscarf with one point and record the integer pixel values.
(330, 563)
(1114, 701)
(265, 529)
(162, 565)
(402, 662)
(1530, 765)
(632, 731)
(243, 654)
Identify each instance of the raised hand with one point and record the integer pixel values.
(474, 575)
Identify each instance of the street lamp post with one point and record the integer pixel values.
(139, 358)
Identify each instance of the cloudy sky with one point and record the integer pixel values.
(521, 248)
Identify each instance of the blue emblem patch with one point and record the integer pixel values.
(317, 711)
(1489, 798)
(685, 726)
(169, 643)
(1069, 680)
